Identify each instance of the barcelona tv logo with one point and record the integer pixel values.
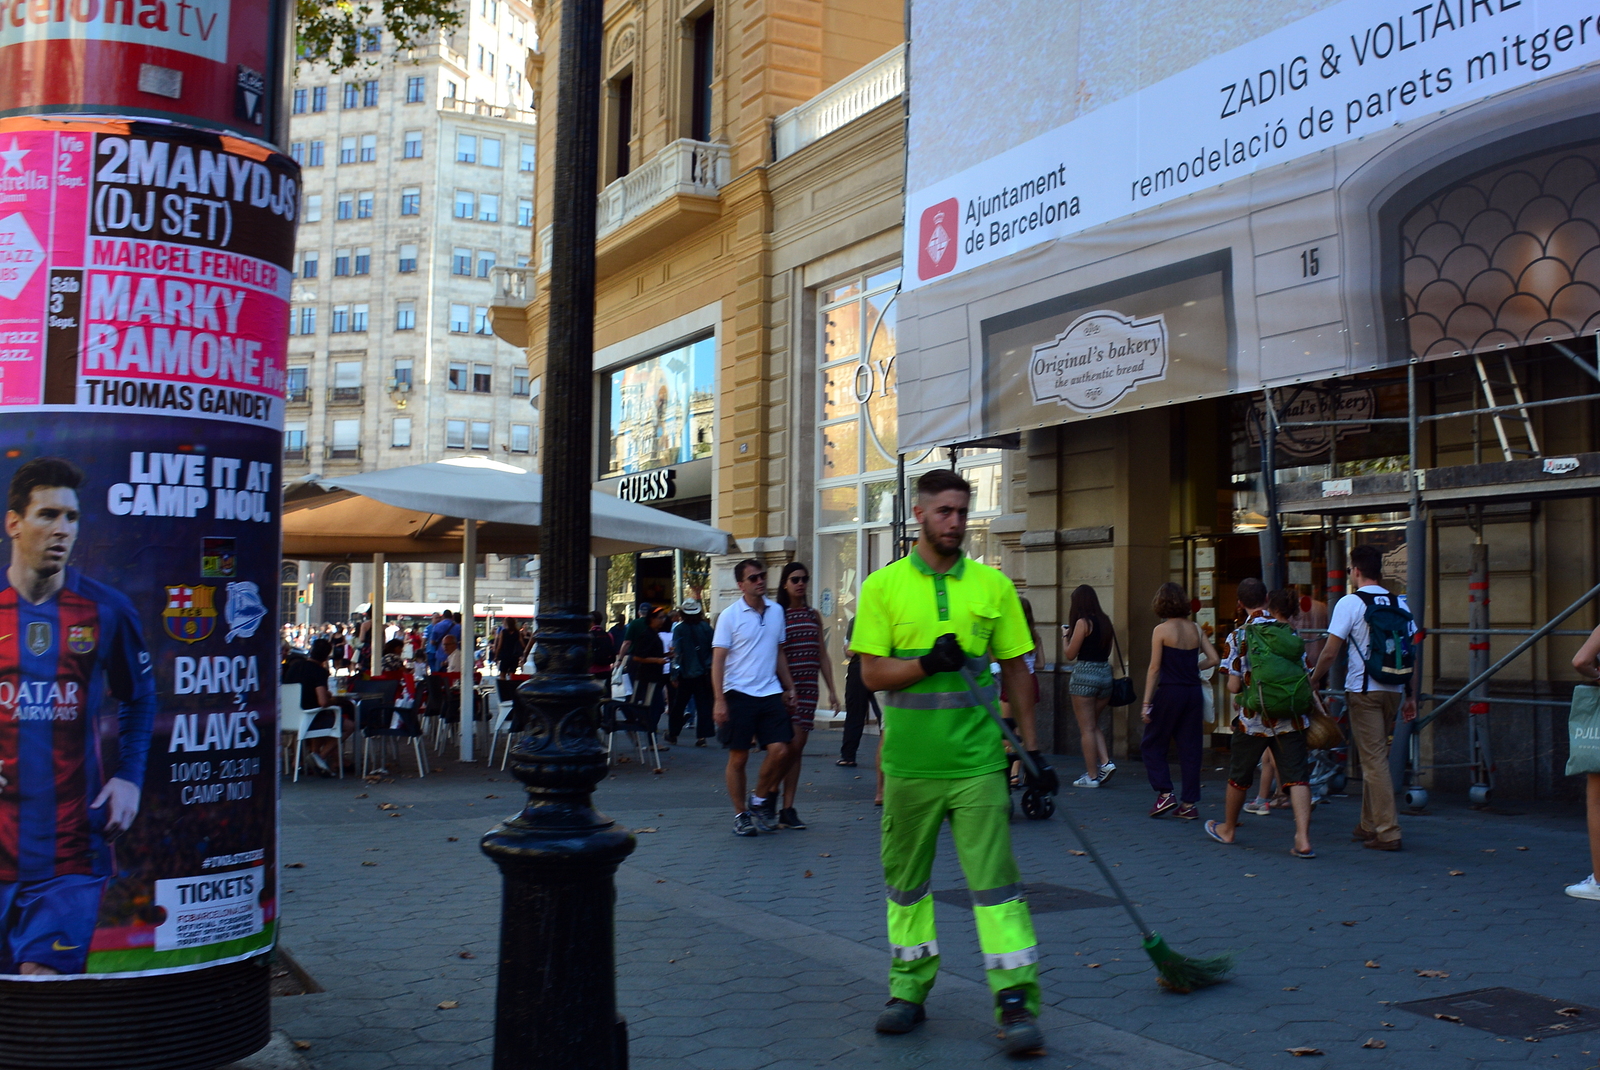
(191, 613)
(80, 638)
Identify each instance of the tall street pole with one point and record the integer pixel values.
(556, 1005)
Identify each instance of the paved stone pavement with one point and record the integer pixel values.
(770, 953)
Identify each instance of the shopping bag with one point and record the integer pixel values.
(1583, 730)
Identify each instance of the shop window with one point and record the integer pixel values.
(655, 407)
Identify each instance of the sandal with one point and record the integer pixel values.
(847, 765)
(1302, 854)
(1211, 830)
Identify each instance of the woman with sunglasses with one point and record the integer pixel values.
(803, 649)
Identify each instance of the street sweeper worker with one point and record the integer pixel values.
(927, 625)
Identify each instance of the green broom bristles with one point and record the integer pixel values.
(1183, 974)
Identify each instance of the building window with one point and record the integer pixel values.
(369, 95)
(701, 72)
(455, 436)
(520, 567)
(655, 409)
(400, 436)
(524, 212)
(309, 263)
(369, 148)
(405, 316)
(308, 319)
(346, 446)
(466, 204)
(408, 259)
(466, 148)
(490, 155)
(341, 320)
(457, 373)
(289, 581)
(490, 67)
(347, 150)
(519, 382)
(346, 381)
(341, 263)
(527, 156)
(319, 98)
(414, 88)
(460, 323)
(521, 438)
(358, 317)
(485, 263)
(347, 206)
(480, 321)
(371, 40)
(296, 387)
(480, 434)
(482, 378)
(488, 208)
(363, 261)
(314, 208)
(294, 440)
(413, 145)
(621, 125)
(402, 375)
(297, 152)
(352, 95)
(461, 262)
(314, 157)
(299, 101)
(411, 201)
(364, 205)
(449, 90)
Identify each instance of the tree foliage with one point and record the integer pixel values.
(335, 32)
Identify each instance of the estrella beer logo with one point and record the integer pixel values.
(191, 613)
(936, 251)
(80, 638)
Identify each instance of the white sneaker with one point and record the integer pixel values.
(1257, 806)
(1106, 771)
(1087, 781)
(1585, 889)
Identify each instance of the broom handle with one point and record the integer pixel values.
(1033, 771)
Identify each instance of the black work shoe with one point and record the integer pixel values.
(1019, 1032)
(765, 815)
(743, 826)
(900, 1016)
(788, 818)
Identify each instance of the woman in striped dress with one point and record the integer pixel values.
(804, 651)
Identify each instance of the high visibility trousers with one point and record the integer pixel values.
(979, 809)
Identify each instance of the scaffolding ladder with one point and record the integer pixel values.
(1514, 386)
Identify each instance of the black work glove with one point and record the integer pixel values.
(1045, 780)
(946, 655)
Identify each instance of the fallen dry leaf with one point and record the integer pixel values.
(1092, 965)
(395, 814)
(302, 1045)
(363, 795)
(1488, 850)
(1458, 873)
(1447, 1018)
(1387, 1025)
(369, 863)
(1080, 854)
(661, 880)
(294, 865)
(1569, 1012)
(641, 832)
(825, 854)
(387, 806)
(466, 955)
(1303, 1051)
(1432, 973)
(1531, 1040)
(449, 1005)
(1347, 923)
(1373, 965)
(1374, 1042)
(491, 796)
(451, 839)
(1522, 848)
(1291, 988)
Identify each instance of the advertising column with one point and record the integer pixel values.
(144, 282)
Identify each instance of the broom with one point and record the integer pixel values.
(1180, 973)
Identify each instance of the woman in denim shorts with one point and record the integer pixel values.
(1088, 636)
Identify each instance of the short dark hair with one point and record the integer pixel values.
(1171, 600)
(321, 650)
(1252, 593)
(41, 472)
(1369, 559)
(745, 566)
(934, 483)
(1283, 603)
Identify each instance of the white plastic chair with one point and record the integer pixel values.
(500, 723)
(291, 718)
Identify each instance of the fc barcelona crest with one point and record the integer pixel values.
(191, 613)
(80, 638)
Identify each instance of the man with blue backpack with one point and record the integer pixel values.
(1378, 682)
(1266, 668)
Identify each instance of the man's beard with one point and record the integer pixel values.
(944, 546)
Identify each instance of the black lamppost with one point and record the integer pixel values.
(556, 1005)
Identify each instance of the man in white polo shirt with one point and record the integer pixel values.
(753, 691)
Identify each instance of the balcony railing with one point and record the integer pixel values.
(344, 395)
(691, 168)
(514, 286)
(877, 83)
(486, 110)
(298, 394)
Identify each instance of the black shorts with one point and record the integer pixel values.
(762, 718)
(1288, 748)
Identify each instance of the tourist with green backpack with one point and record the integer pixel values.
(1266, 667)
(1378, 631)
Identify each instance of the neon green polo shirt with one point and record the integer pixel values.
(932, 729)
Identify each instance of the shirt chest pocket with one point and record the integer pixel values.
(985, 618)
